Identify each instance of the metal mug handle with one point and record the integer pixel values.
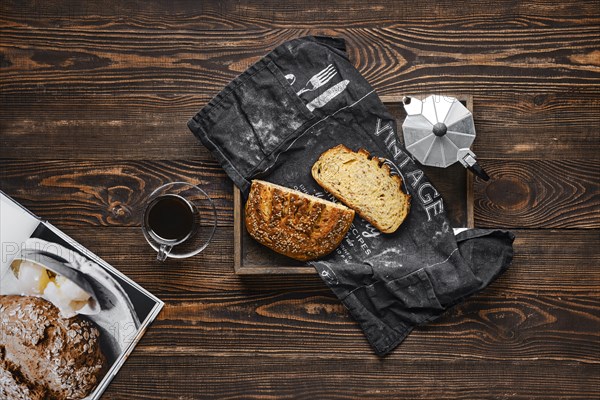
(163, 252)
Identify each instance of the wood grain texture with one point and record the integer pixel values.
(539, 194)
(278, 378)
(489, 326)
(94, 100)
(241, 16)
(522, 193)
(545, 307)
(148, 126)
(549, 262)
(535, 83)
(101, 193)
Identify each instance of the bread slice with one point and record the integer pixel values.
(365, 184)
(295, 224)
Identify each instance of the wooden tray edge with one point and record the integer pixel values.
(238, 227)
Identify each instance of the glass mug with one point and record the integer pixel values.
(179, 220)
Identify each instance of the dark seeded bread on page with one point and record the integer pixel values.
(14, 386)
(365, 184)
(44, 355)
(293, 223)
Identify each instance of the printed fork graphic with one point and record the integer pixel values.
(319, 79)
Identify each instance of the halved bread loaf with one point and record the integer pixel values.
(364, 184)
(293, 223)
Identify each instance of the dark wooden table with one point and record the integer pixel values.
(93, 108)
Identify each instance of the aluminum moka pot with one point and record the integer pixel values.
(438, 131)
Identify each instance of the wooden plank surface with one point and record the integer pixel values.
(94, 100)
(148, 126)
(106, 193)
(142, 84)
(522, 194)
(279, 378)
(546, 262)
(539, 194)
(529, 313)
(236, 16)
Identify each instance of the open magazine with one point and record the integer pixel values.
(43, 267)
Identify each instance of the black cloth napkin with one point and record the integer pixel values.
(274, 120)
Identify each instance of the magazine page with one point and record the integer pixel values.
(16, 226)
(63, 305)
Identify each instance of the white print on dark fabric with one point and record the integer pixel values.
(312, 126)
(371, 231)
(319, 79)
(389, 257)
(390, 139)
(328, 95)
(355, 238)
(344, 253)
(291, 78)
(327, 273)
(429, 198)
(445, 229)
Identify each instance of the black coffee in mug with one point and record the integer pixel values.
(171, 218)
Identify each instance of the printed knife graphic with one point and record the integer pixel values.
(327, 95)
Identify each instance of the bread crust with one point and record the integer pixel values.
(16, 387)
(373, 169)
(46, 353)
(293, 223)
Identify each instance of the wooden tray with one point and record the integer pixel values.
(455, 184)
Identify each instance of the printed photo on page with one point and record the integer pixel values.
(68, 319)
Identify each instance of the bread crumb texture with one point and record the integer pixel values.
(365, 184)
